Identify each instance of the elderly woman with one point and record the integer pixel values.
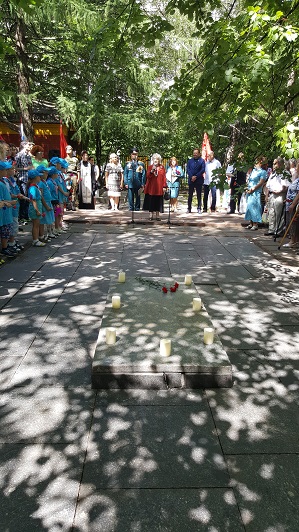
(256, 181)
(173, 176)
(37, 153)
(114, 178)
(154, 187)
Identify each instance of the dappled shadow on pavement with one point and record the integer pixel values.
(141, 460)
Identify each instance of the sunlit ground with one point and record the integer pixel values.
(76, 459)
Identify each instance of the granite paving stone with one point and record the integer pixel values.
(201, 274)
(217, 257)
(255, 418)
(72, 458)
(8, 366)
(7, 291)
(235, 334)
(105, 265)
(267, 491)
(230, 272)
(170, 510)
(132, 448)
(39, 486)
(56, 369)
(49, 415)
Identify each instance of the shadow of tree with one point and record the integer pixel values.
(143, 460)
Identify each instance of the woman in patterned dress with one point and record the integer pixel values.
(257, 179)
(114, 178)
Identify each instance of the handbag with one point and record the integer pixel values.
(166, 195)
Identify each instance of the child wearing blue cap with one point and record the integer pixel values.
(46, 222)
(6, 212)
(62, 193)
(35, 207)
(53, 187)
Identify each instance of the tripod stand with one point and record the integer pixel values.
(169, 207)
(288, 228)
(280, 218)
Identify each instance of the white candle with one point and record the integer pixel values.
(122, 277)
(165, 347)
(110, 335)
(196, 303)
(188, 280)
(115, 301)
(208, 335)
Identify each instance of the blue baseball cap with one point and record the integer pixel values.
(52, 171)
(41, 169)
(55, 160)
(32, 174)
(4, 165)
(63, 163)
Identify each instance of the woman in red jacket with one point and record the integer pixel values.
(154, 187)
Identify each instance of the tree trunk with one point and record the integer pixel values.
(98, 141)
(23, 80)
(234, 139)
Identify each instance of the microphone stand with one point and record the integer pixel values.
(168, 221)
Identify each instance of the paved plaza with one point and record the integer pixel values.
(143, 460)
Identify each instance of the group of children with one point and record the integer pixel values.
(47, 195)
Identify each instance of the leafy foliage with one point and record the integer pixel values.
(158, 74)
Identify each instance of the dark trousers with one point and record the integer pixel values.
(24, 205)
(133, 199)
(206, 191)
(234, 197)
(198, 187)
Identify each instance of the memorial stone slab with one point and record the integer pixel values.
(146, 316)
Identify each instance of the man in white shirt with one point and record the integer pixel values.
(211, 164)
(276, 189)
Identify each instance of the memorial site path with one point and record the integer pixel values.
(83, 460)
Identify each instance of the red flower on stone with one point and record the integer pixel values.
(172, 289)
(164, 289)
(176, 285)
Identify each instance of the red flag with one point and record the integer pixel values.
(206, 147)
(63, 142)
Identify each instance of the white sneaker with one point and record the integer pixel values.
(38, 244)
(51, 235)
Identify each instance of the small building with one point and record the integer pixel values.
(47, 129)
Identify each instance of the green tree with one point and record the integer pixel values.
(244, 75)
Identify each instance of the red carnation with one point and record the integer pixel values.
(172, 289)
(176, 285)
(164, 289)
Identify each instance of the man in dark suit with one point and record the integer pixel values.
(195, 171)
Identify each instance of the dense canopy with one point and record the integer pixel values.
(157, 74)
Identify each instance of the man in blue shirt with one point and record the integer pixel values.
(195, 171)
